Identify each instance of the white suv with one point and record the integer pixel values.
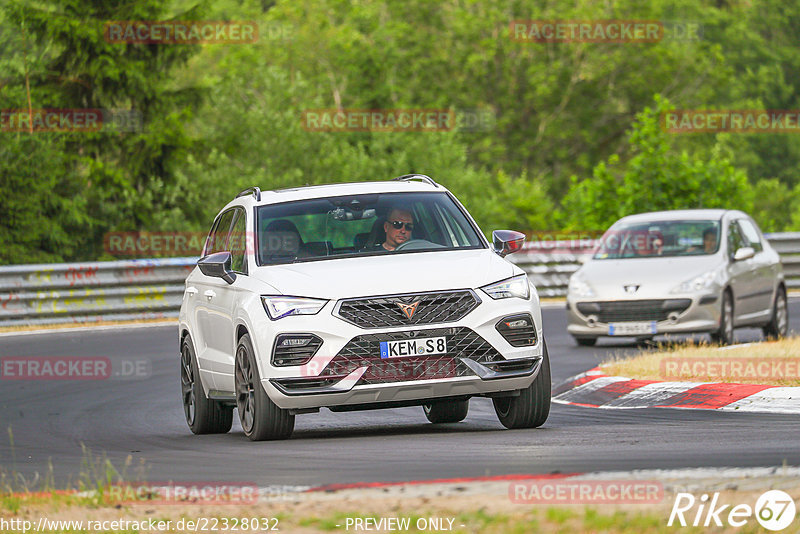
(357, 296)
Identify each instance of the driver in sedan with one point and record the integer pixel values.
(398, 227)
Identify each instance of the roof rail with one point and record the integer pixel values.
(255, 191)
(420, 177)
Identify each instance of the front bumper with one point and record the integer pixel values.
(347, 368)
(702, 315)
(344, 392)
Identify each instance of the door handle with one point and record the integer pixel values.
(191, 291)
(210, 294)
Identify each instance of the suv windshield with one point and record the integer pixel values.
(386, 223)
(659, 239)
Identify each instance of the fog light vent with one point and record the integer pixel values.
(518, 330)
(294, 349)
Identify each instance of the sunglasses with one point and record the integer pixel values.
(399, 224)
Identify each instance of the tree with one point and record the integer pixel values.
(655, 178)
(121, 179)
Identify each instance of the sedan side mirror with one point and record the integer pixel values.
(217, 265)
(744, 253)
(505, 242)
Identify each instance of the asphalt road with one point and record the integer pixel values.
(68, 424)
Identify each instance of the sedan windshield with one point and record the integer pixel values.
(387, 223)
(659, 239)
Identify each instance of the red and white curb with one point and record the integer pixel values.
(597, 390)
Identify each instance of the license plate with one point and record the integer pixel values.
(631, 329)
(414, 347)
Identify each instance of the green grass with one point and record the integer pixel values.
(559, 515)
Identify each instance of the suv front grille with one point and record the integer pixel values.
(364, 350)
(618, 311)
(431, 308)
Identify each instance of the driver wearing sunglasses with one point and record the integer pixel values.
(398, 227)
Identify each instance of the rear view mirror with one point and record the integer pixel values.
(506, 242)
(744, 253)
(217, 265)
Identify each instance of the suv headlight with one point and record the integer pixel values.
(698, 283)
(279, 306)
(579, 288)
(516, 286)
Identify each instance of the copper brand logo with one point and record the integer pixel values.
(408, 309)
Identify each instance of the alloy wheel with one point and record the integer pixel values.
(245, 390)
(187, 385)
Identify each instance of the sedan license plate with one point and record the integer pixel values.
(631, 329)
(414, 347)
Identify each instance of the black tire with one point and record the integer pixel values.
(261, 418)
(531, 408)
(778, 325)
(724, 336)
(203, 415)
(586, 341)
(446, 411)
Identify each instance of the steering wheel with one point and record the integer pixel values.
(416, 244)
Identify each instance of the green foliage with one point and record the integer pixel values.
(773, 202)
(655, 178)
(254, 136)
(575, 141)
(43, 212)
(109, 179)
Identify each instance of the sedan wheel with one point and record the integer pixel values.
(724, 336)
(778, 326)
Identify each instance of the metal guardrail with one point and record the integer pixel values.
(153, 289)
(550, 264)
(91, 292)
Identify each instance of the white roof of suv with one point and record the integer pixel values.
(409, 184)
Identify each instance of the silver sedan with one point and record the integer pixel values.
(675, 272)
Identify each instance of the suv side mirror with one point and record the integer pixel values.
(217, 265)
(744, 253)
(505, 242)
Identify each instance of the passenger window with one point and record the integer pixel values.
(751, 235)
(423, 215)
(735, 239)
(237, 243)
(456, 233)
(219, 236)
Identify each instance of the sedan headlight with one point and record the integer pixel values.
(279, 306)
(698, 283)
(579, 288)
(516, 286)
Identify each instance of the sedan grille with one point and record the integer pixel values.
(404, 310)
(619, 311)
(364, 351)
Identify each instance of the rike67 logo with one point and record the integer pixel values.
(774, 510)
